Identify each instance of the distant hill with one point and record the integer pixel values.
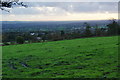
(8, 26)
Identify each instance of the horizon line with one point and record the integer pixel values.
(61, 20)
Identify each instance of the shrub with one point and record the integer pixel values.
(20, 40)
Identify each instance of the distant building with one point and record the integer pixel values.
(39, 38)
(32, 33)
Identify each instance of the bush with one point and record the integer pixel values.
(6, 44)
(20, 40)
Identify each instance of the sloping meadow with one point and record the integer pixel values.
(78, 58)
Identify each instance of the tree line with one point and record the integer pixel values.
(113, 28)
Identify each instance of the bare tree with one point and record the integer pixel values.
(9, 4)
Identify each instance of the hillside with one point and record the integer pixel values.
(78, 58)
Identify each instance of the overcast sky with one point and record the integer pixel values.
(62, 11)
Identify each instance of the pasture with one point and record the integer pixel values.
(95, 57)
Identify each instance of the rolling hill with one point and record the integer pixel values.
(95, 57)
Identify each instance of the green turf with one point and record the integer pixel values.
(78, 58)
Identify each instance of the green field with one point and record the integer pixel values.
(78, 58)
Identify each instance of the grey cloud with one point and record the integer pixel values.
(64, 7)
(81, 6)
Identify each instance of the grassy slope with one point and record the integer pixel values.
(78, 58)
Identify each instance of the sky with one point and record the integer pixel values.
(62, 11)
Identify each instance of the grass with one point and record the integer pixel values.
(78, 58)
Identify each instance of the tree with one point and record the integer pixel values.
(62, 33)
(20, 40)
(113, 27)
(87, 32)
(9, 3)
(97, 31)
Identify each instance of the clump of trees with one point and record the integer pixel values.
(113, 28)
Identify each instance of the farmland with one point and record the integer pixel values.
(95, 57)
